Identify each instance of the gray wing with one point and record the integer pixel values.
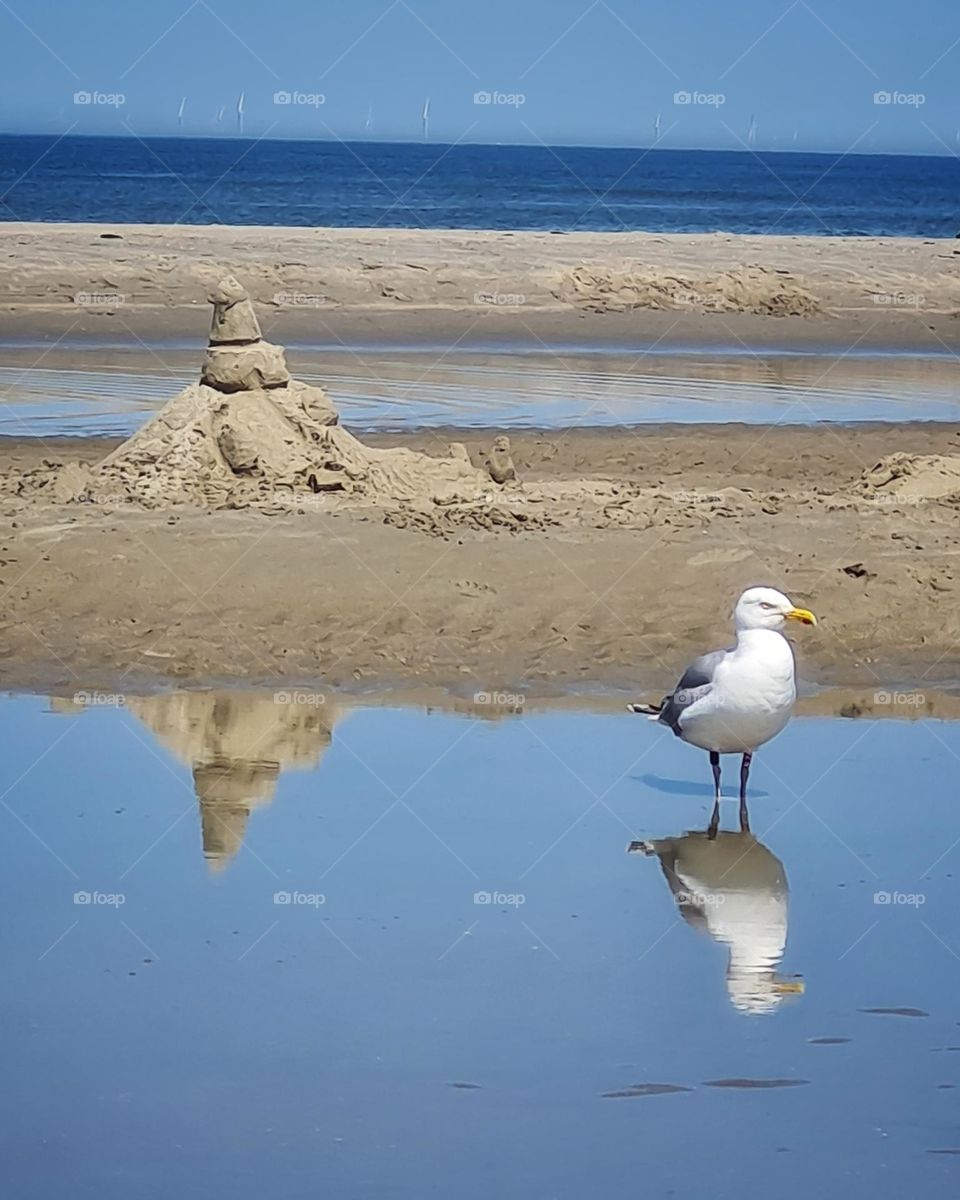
(695, 683)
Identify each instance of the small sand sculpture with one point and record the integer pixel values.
(247, 435)
(500, 464)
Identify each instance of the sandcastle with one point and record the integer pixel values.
(248, 435)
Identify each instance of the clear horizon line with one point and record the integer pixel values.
(359, 139)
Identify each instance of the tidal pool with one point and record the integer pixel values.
(290, 944)
(112, 391)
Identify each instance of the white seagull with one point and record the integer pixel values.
(733, 701)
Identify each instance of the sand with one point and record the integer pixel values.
(604, 594)
(246, 536)
(123, 282)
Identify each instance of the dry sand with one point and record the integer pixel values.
(608, 593)
(446, 286)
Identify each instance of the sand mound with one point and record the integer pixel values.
(748, 289)
(270, 449)
(911, 478)
(247, 435)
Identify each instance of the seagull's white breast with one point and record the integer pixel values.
(752, 697)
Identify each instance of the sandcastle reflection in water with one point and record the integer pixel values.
(237, 745)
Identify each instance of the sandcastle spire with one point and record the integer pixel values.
(234, 322)
(237, 358)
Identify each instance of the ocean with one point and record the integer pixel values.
(235, 181)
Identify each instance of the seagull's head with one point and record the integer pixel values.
(766, 608)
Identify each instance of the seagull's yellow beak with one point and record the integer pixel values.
(789, 987)
(803, 615)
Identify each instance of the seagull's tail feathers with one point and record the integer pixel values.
(647, 710)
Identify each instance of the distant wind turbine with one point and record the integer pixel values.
(183, 105)
(240, 113)
(368, 123)
(425, 119)
(220, 112)
(752, 131)
(656, 128)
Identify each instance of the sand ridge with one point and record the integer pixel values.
(536, 287)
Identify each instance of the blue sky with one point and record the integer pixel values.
(556, 71)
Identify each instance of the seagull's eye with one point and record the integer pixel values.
(765, 604)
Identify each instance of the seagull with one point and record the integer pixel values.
(733, 701)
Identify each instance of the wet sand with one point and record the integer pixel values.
(446, 287)
(607, 597)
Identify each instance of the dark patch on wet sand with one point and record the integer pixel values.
(829, 1041)
(754, 1083)
(646, 1089)
(896, 1012)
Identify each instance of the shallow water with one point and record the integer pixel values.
(303, 946)
(113, 393)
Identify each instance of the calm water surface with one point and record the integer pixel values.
(290, 946)
(112, 393)
(237, 181)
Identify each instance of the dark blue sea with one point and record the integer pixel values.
(235, 181)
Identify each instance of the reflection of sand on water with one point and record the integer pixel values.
(237, 744)
(734, 889)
